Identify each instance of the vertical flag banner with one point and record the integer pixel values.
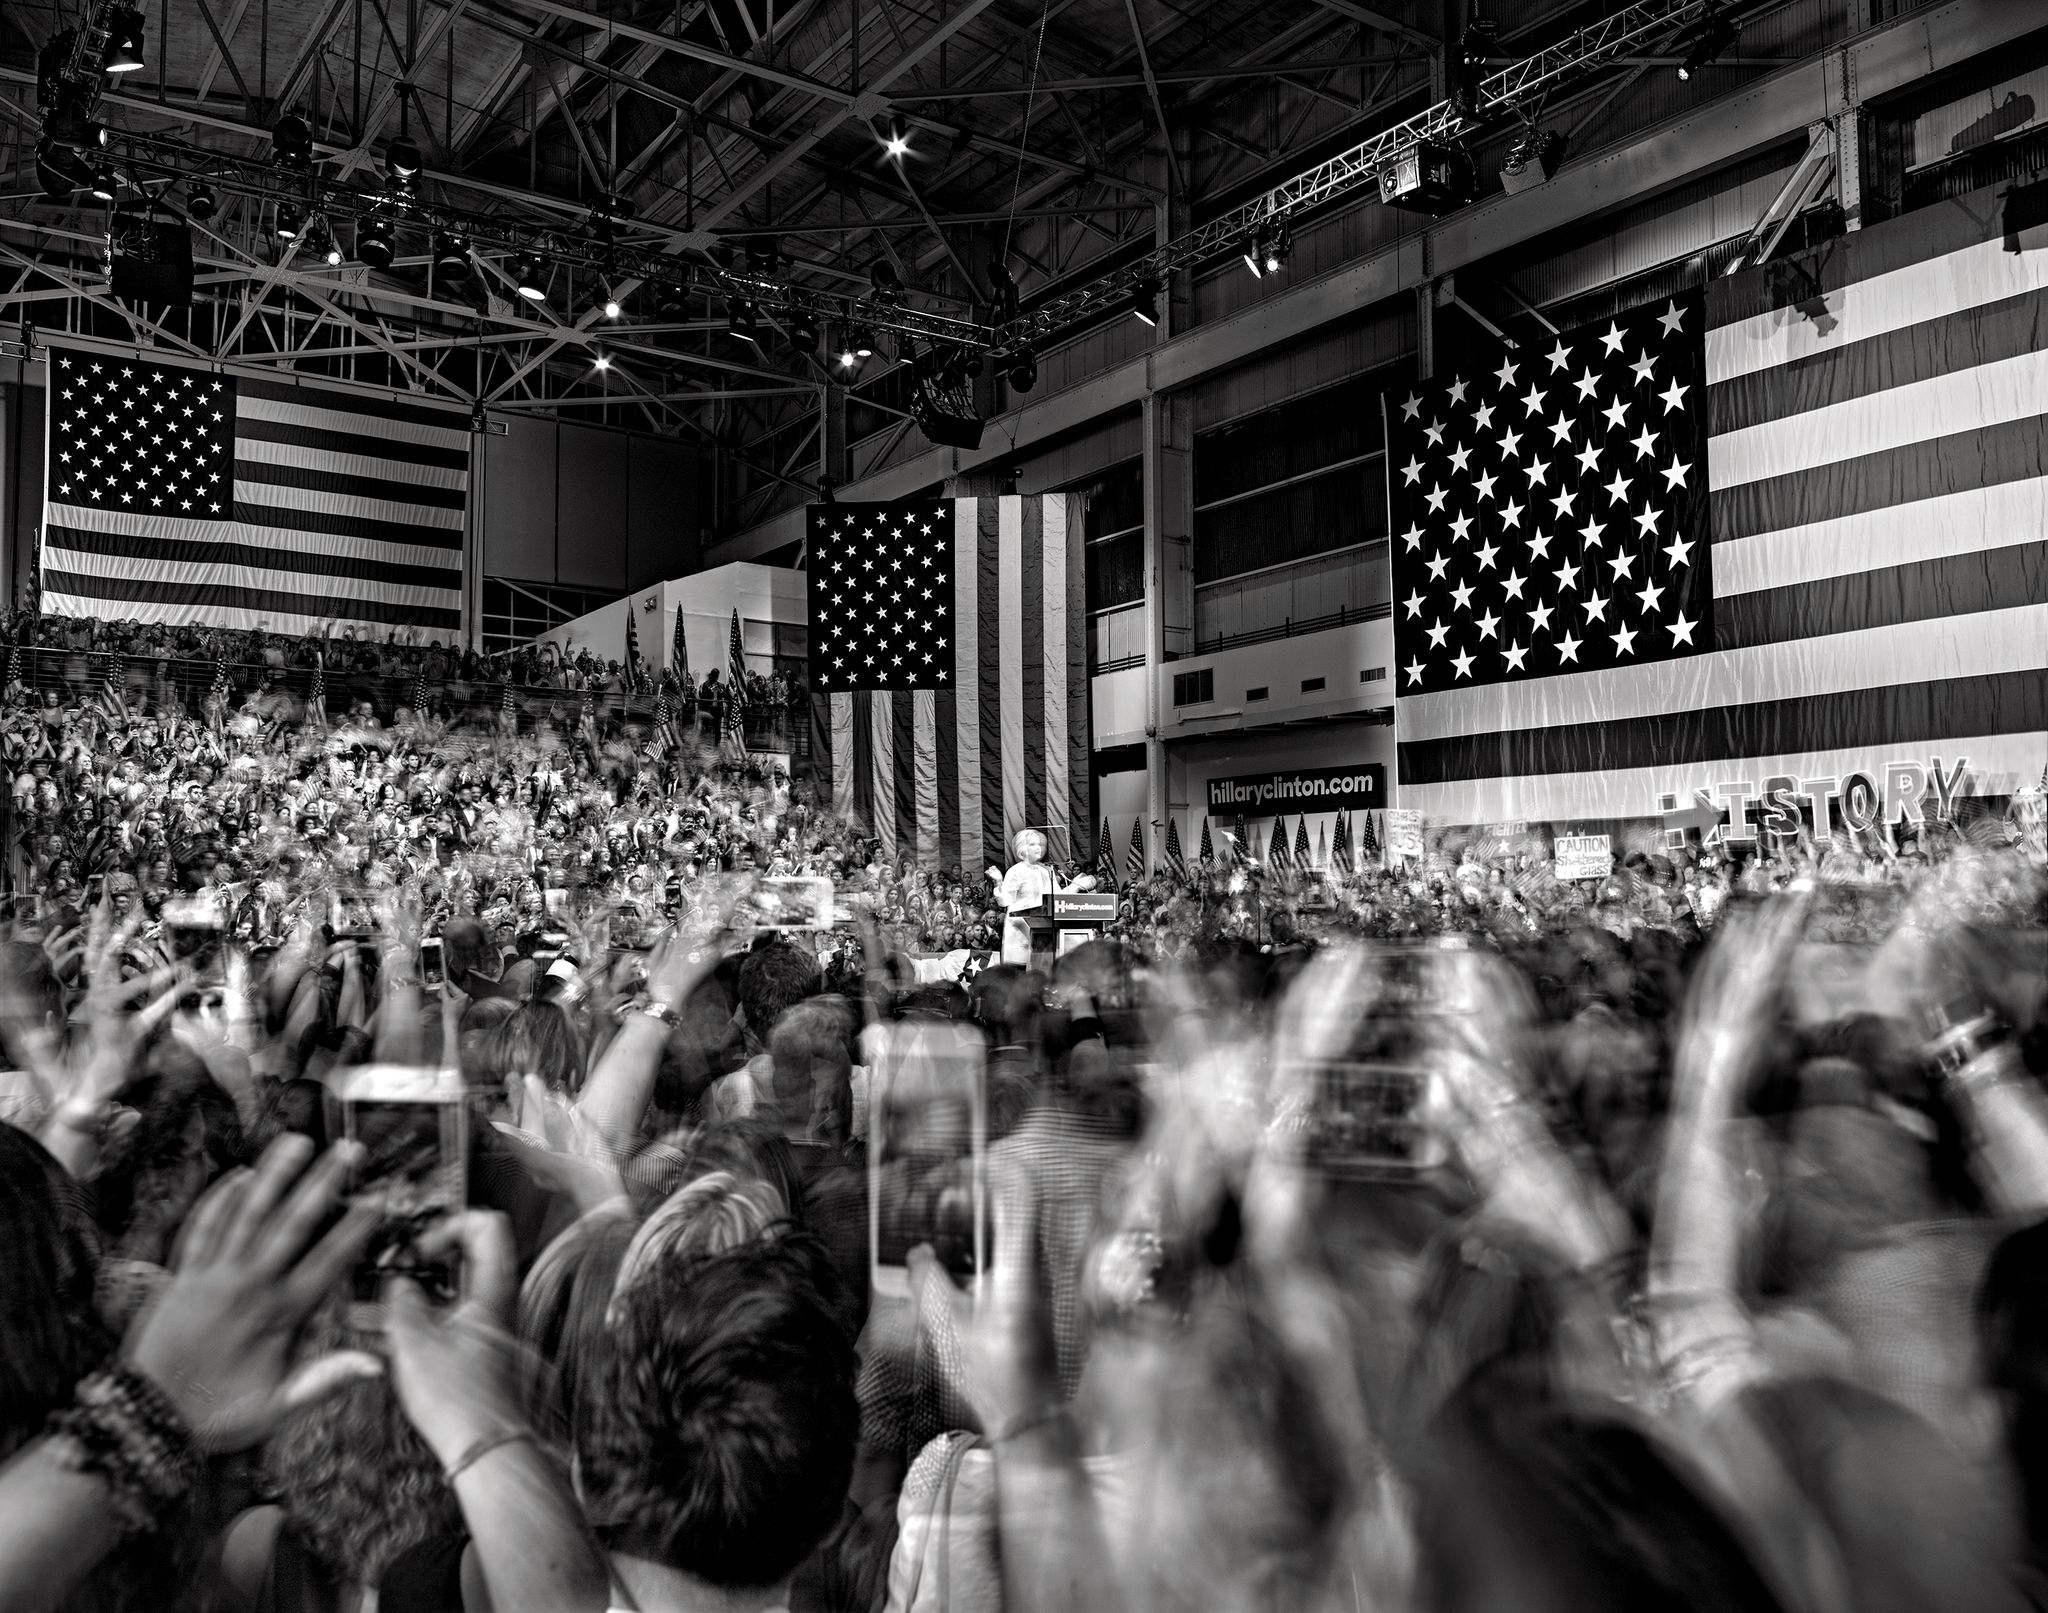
(177, 493)
(1341, 851)
(632, 644)
(679, 651)
(1207, 854)
(1369, 844)
(1134, 857)
(1301, 841)
(1176, 860)
(736, 657)
(948, 656)
(1105, 854)
(1874, 436)
(1276, 844)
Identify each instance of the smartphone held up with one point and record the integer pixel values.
(412, 1126)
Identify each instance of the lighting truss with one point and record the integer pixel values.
(1521, 85)
(160, 157)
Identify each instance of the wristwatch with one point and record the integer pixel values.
(661, 1011)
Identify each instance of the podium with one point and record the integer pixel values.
(1078, 917)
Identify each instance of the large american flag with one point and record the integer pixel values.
(948, 662)
(181, 493)
(1874, 433)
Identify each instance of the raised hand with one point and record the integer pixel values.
(252, 1265)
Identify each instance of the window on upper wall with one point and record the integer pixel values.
(1981, 124)
(1194, 688)
(1113, 536)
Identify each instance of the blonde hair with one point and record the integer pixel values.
(712, 1215)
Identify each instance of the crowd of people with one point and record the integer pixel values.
(421, 1190)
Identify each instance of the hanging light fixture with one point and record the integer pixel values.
(451, 254)
(526, 279)
(200, 201)
(124, 42)
(291, 142)
(1144, 301)
(612, 306)
(375, 247)
(897, 145)
(291, 219)
(402, 161)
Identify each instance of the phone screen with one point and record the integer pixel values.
(433, 974)
(1370, 1119)
(927, 1153)
(415, 1171)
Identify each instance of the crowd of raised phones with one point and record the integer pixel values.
(1432, 1237)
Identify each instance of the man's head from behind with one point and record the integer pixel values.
(774, 978)
(718, 1435)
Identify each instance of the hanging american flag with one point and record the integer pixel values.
(1176, 860)
(178, 493)
(1874, 445)
(972, 720)
(1134, 856)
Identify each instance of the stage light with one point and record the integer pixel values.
(848, 358)
(1278, 245)
(1531, 160)
(898, 143)
(1145, 300)
(804, 331)
(1481, 36)
(291, 218)
(1023, 371)
(600, 359)
(60, 170)
(671, 302)
(200, 201)
(374, 245)
(884, 282)
(321, 244)
(743, 320)
(526, 279)
(1705, 40)
(105, 184)
(451, 254)
(864, 344)
(291, 142)
(124, 42)
(612, 307)
(764, 254)
(402, 160)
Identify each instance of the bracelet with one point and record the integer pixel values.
(400, 983)
(124, 1431)
(661, 1011)
(1027, 1422)
(482, 1448)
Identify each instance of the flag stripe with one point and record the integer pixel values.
(367, 405)
(1959, 402)
(882, 717)
(946, 774)
(1952, 586)
(250, 578)
(334, 433)
(862, 711)
(967, 679)
(368, 490)
(1970, 522)
(1993, 642)
(1997, 761)
(1010, 656)
(1891, 280)
(96, 528)
(286, 525)
(86, 593)
(1910, 355)
(77, 546)
(1053, 653)
(1074, 635)
(355, 468)
(314, 616)
(989, 625)
(1031, 651)
(903, 754)
(389, 517)
(1891, 714)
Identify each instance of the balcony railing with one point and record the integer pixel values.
(1292, 627)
